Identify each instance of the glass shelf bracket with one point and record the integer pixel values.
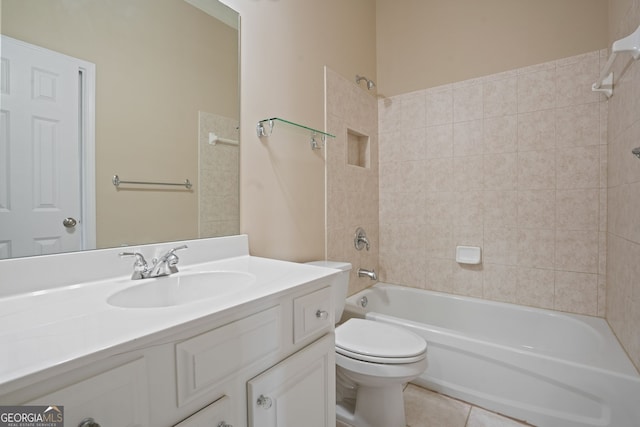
(265, 129)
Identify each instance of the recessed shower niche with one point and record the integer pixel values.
(358, 151)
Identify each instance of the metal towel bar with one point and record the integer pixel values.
(117, 181)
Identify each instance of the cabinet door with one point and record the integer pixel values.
(218, 414)
(299, 391)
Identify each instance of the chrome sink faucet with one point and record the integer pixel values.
(163, 266)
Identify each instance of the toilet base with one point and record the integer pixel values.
(374, 407)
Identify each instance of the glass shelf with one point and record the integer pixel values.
(265, 129)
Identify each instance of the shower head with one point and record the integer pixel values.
(370, 83)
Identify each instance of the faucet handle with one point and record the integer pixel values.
(167, 263)
(171, 251)
(140, 261)
(140, 266)
(172, 259)
(360, 241)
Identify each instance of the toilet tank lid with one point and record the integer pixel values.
(338, 265)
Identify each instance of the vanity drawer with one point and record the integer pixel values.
(117, 397)
(313, 314)
(208, 360)
(218, 414)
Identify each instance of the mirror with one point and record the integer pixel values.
(166, 109)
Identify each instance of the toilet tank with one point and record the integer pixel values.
(340, 284)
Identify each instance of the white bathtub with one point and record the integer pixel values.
(545, 367)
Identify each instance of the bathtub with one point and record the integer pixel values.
(544, 367)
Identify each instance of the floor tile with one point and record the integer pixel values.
(482, 418)
(424, 408)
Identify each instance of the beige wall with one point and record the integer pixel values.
(154, 50)
(623, 238)
(285, 46)
(426, 43)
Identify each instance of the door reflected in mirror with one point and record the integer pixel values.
(166, 109)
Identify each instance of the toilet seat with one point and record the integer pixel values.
(377, 342)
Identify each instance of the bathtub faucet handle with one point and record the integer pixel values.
(361, 241)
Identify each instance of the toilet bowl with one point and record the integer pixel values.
(374, 361)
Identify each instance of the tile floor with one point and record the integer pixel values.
(425, 408)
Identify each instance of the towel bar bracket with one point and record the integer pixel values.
(606, 86)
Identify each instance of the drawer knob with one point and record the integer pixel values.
(224, 424)
(322, 314)
(88, 422)
(264, 402)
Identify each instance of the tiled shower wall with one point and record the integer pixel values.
(218, 182)
(623, 238)
(352, 180)
(514, 163)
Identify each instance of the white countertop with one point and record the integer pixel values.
(46, 328)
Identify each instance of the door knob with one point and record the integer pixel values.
(69, 222)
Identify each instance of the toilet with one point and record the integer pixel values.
(374, 361)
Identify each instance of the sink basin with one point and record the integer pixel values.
(183, 288)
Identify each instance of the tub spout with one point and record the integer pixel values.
(368, 273)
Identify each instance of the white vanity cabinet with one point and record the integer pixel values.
(210, 372)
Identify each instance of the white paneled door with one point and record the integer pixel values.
(44, 129)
